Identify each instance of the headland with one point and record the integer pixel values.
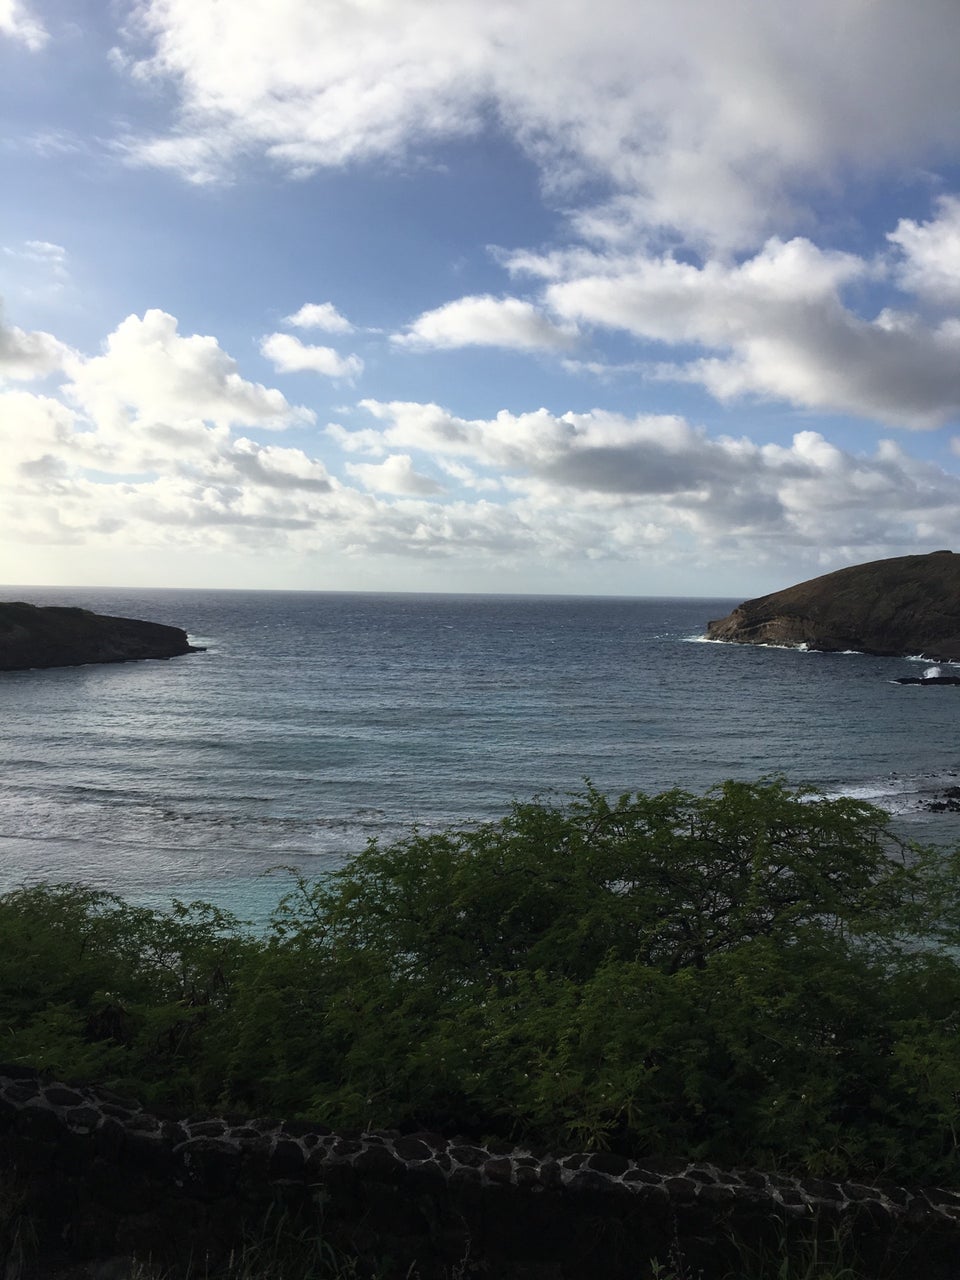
(900, 607)
(59, 636)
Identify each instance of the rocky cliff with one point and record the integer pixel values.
(908, 605)
(31, 636)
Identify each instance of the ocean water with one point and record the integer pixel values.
(315, 721)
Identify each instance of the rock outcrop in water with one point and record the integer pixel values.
(55, 636)
(899, 607)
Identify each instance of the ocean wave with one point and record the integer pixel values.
(736, 644)
(901, 795)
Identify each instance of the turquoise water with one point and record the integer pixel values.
(316, 721)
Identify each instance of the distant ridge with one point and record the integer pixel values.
(54, 636)
(899, 607)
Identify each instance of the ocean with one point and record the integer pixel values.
(317, 721)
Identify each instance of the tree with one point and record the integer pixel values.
(757, 975)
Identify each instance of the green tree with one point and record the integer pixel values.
(757, 975)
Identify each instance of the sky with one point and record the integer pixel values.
(632, 297)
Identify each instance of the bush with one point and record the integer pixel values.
(758, 975)
(92, 987)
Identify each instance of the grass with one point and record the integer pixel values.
(276, 1249)
(281, 1247)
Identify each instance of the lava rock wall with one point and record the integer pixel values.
(99, 1176)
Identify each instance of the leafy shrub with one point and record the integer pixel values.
(758, 975)
(92, 987)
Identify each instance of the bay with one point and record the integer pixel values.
(316, 721)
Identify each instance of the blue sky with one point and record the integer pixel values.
(627, 297)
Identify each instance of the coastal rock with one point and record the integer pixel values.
(947, 802)
(893, 608)
(925, 680)
(55, 636)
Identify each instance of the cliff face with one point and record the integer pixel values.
(31, 636)
(908, 605)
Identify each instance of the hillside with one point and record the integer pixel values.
(898, 607)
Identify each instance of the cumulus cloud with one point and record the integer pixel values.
(289, 355)
(485, 321)
(25, 355)
(320, 315)
(595, 455)
(17, 22)
(671, 300)
(707, 128)
(151, 370)
(152, 443)
(140, 450)
(713, 120)
(778, 323)
(506, 441)
(394, 475)
(35, 427)
(931, 253)
(669, 479)
(275, 467)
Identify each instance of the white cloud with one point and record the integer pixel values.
(151, 371)
(779, 323)
(199, 159)
(144, 453)
(507, 441)
(931, 253)
(487, 322)
(468, 477)
(320, 315)
(144, 449)
(590, 487)
(25, 355)
(611, 474)
(394, 475)
(34, 428)
(289, 355)
(44, 252)
(311, 85)
(18, 23)
(275, 467)
(35, 270)
(718, 121)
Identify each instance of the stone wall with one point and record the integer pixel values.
(98, 1175)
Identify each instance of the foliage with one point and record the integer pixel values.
(92, 987)
(758, 975)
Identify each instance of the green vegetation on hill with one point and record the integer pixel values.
(756, 976)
